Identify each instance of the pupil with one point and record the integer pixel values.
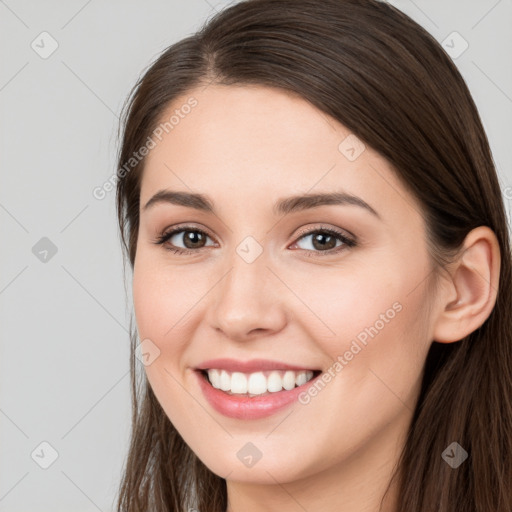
(320, 239)
(194, 237)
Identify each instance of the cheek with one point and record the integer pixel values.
(163, 300)
(164, 297)
(371, 320)
(341, 303)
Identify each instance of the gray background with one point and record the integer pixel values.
(64, 321)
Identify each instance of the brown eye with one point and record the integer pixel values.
(324, 241)
(183, 239)
(193, 239)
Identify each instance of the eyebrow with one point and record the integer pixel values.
(282, 207)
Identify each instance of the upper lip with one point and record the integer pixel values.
(254, 365)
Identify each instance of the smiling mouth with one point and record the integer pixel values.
(260, 383)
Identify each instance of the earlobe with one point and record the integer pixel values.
(474, 283)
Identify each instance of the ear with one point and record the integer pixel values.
(470, 293)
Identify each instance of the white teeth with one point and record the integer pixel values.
(289, 380)
(238, 383)
(258, 383)
(214, 378)
(274, 382)
(301, 379)
(225, 380)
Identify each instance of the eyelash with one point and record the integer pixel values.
(347, 242)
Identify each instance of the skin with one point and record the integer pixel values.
(246, 147)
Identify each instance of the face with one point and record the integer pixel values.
(335, 289)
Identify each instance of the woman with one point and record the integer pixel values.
(321, 271)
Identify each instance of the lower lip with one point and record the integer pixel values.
(249, 408)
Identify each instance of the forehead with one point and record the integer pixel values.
(238, 121)
(241, 142)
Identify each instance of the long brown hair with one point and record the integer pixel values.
(384, 77)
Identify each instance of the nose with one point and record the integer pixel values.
(248, 301)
